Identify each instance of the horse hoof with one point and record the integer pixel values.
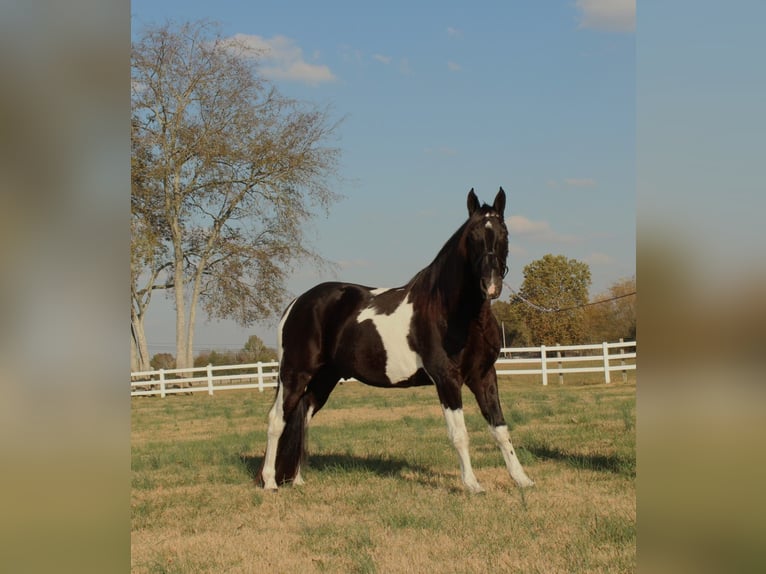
(270, 486)
(475, 488)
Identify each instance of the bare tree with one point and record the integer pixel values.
(234, 171)
(149, 261)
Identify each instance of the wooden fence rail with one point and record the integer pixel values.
(542, 360)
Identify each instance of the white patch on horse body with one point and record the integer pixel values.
(380, 290)
(401, 361)
(282, 321)
(458, 434)
(488, 225)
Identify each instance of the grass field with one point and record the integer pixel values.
(383, 491)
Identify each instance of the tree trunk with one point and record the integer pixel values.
(181, 332)
(193, 302)
(139, 350)
(190, 327)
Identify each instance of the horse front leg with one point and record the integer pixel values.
(485, 391)
(448, 389)
(458, 434)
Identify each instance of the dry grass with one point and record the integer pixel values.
(383, 491)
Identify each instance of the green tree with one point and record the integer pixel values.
(162, 361)
(555, 282)
(231, 171)
(512, 323)
(615, 318)
(255, 350)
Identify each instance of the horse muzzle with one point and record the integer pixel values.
(492, 288)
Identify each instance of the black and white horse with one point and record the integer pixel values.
(438, 329)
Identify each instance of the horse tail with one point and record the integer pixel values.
(291, 449)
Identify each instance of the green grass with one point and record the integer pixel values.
(383, 490)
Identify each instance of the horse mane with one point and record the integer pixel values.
(429, 281)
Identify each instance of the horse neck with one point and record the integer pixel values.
(449, 283)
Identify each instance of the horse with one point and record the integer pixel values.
(438, 329)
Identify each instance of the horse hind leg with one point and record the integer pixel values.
(285, 440)
(267, 474)
(318, 391)
(289, 417)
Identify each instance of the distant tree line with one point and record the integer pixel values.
(254, 351)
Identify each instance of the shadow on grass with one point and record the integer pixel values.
(343, 462)
(353, 463)
(600, 462)
(374, 465)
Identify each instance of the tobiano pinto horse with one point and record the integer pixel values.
(438, 329)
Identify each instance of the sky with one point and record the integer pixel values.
(436, 98)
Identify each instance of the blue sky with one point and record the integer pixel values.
(439, 97)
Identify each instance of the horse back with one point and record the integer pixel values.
(315, 321)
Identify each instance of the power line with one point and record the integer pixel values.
(526, 301)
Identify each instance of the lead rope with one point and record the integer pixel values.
(521, 298)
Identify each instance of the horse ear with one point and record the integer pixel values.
(499, 204)
(473, 202)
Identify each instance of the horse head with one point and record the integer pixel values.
(486, 243)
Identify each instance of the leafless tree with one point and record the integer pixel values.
(228, 172)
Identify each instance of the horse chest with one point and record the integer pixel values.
(392, 329)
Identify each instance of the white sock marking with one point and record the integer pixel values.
(276, 415)
(276, 427)
(458, 434)
(503, 440)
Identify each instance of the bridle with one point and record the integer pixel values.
(490, 253)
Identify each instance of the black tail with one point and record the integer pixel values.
(291, 449)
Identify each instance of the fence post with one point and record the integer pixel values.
(210, 379)
(607, 378)
(622, 362)
(260, 376)
(544, 364)
(561, 374)
(162, 383)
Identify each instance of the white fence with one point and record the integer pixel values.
(167, 381)
(554, 360)
(540, 360)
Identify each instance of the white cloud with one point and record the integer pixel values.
(454, 66)
(404, 67)
(454, 32)
(280, 58)
(520, 226)
(608, 15)
(599, 259)
(382, 59)
(580, 182)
